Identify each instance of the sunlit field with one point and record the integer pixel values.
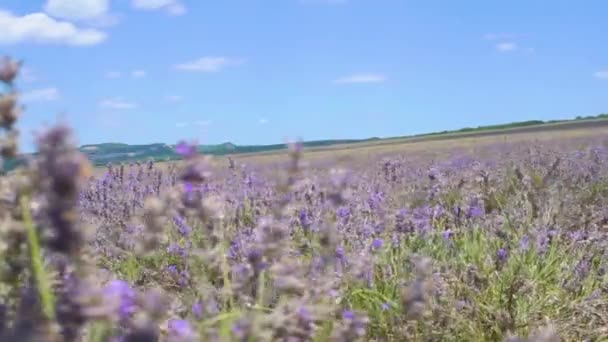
(467, 239)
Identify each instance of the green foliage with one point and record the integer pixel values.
(525, 289)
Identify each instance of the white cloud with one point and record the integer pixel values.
(181, 124)
(508, 42)
(173, 7)
(602, 74)
(40, 28)
(176, 9)
(41, 95)
(117, 103)
(77, 9)
(208, 64)
(113, 74)
(262, 121)
(174, 98)
(505, 47)
(138, 73)
(362, 78)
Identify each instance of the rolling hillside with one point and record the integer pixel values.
(101, 154)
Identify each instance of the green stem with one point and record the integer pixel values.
(226, 276)
(100, 332)
(44, 289)
(261, 288)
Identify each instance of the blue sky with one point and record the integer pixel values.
(258, 71)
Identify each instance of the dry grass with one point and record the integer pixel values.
(356, 151)
(348, 153)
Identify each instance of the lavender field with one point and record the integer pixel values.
(502, 241)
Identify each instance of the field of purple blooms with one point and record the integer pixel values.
(499, 242)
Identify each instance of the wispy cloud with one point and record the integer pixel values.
(262, 121)
(601, 74)
(181, 124)
(41, 95)
(92, 12)
(40, 28)
(508, 42)
(115, 74)
(506, 47)
(208, 64)
(173, 7)
(77, 10)
(138, 73)
(174, 98)
(117, 103)
(362, 78)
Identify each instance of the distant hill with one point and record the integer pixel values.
(105, 153)
(101, 154)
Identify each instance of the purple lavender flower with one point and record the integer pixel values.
(524, 243)
(366, 231)
(255, 258)
(438, 211)
(353, 327)
(542, 241)
(577, 235)
(181, 225)
(180, 330)
(375, 200)
(304, 314)
(197, 309)
(501, 255)
(401, 224)
(186, 150)
(421, 217)
(119, 290)
(304, 219)
(474, 211)
(176, 249)
(339, 252)
(343, 213)
(348, 315)
(183, 278)
(377, 243)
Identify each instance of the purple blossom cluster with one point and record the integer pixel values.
(503, 241)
